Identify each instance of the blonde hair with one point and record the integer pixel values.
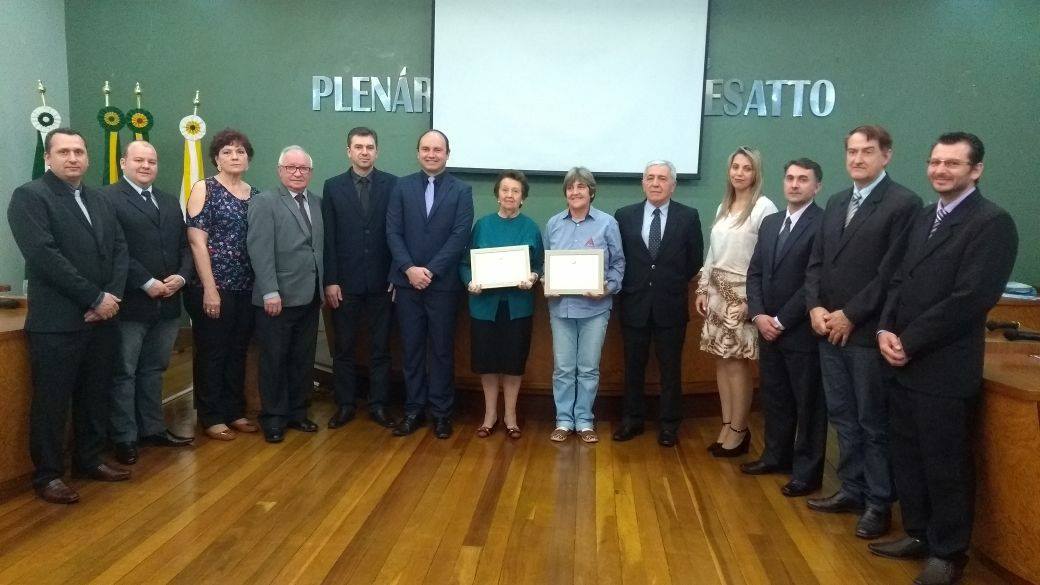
(731, 194)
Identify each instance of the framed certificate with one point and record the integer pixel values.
(573, 272)
(500, 267)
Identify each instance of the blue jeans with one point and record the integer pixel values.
(577, 344)
(857, 406)
(142, 356)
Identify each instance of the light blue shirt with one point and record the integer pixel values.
(597, 230)
(866, 191)
(648, 217)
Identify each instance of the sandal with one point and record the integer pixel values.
(485, 432)
(560, 434)
(216, 434)
(513, 432)
(244, 425)
(588, 435)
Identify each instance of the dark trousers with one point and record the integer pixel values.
(668, 344)
(287, 345)
(933, 467)
(427, 322)
(374, 310)
(795, 411)
(857, 406)
(76, 367)
(220, 347)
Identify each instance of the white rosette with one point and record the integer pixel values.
(193, 128)
(45, 119)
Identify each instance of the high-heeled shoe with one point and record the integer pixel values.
(712, 447)
(740, 449)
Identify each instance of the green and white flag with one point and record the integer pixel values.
(44, 119)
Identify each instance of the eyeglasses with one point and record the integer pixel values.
(293, 169)
(950, 164)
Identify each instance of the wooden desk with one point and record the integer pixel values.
(1007, 517)
(15, 395)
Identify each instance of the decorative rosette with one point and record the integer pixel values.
(45, 119)
(193, 128)
(111, 119)
(139, 121)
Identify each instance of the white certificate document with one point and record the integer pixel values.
(500, 267)
(573, 272)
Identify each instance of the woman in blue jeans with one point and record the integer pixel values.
(579, 322)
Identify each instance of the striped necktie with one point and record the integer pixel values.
(940, 213)
(857, 199)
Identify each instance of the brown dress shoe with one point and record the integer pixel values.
(104, 472)
(56, 492)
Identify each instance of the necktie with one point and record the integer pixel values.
(429, 195)
(940, 213)
(782, 236)
(150, 203)
(363, 192)
(82, 206)
(302, 202)
(857, 198)
(654, 240)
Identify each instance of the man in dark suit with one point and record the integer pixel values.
(959, 256)
(160, 264)
(357, 262)
(428, 223)
(285, 241)
(861, 242)
(663, 247)
(789, 359)
(75, 262)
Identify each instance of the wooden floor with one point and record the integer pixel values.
(356, 505)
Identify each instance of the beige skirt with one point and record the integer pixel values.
(727, 332)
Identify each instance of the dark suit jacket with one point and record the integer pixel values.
(357, 257)
(286, 256)
(437, 242)
(157, 246)
(776, 278)
(69, 261)
(939, 298)
(658, 287)
(850, 268)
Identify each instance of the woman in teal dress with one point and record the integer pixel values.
(500, 318)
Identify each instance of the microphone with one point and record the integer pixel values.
(1016, 335)
(994, 325)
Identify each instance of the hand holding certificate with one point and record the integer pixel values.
(574, 272)
(500, 267)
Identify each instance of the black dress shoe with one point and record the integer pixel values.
(381, 418)
(740, 449)
(442, 427)
(761, 468)
(874, 523)
(838, 503)
(409, 425)
(627, 432)
(667, 438)
(274, 435)
(797, 488)
(103, 472)
(305, 425)
(167, 439)
(343, 415)
(57, 492)
(907, 547)
(126, 453)
(941, 571)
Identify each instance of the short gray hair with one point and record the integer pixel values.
(294, 148)
(659, 163)
(580, 174)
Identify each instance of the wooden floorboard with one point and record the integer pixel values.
(356, 505)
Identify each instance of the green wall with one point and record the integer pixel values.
(918, 68)
(34, 37)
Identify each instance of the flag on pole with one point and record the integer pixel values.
(112, 121)
(139, 122)
(44, 119)
(193, 128)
